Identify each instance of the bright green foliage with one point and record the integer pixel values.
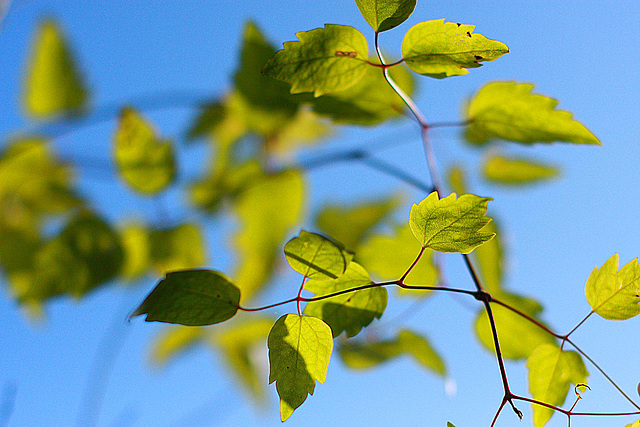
(173, 341)
(191, 298)
(325, 60)
(145, 162)
(635, 424)
(613, 294)
(52, 84)
(508, 110)
(135, 243)
(384, 15)
(305, 128)
(516, 171)
(349, 312)
(442, 49)
(551, 372)
(177, 248)
(489, 259)
(299, 351)
(450, 224)
(316, 256)
(369, 354)
(349, 225)
(513, 327)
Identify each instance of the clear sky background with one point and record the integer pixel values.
(584, 54)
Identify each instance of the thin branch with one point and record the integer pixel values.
(579, 324)
(529, 318)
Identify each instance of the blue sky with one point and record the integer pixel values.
(583, 54)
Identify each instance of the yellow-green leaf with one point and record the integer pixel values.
(52, 84)
(175, 340)
(324, 60)
(316, 256)
(516, 171)
(145, 162)
(299, 352)
(615, 294)
(635, 424)
(384, 15)
(177, 248)
(442, 49)
(508, 110)
(450, 224)
(348, 312)
(551, 372)
(135, 243)
(489, 259)
(304, 129)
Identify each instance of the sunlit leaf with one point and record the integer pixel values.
(191, 298)
(508, 110)
(177, 248)
(137, 259)
(450, 224)
(173, 341)
(489, 260)
(349, 312)
(384, 15)
(52, 83)
(635, 424)
(299, 352)
(317, 257)
(615, 294)
(442, 49)
(365, 355)
(551, 372)
(324, 60)
(305, 128)
(516, 171)
(456, 180)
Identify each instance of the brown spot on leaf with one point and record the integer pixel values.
(458, 24)
(468, 34)
(478, 57)
(349, 54)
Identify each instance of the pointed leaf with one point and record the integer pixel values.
(191, 298)
(52, 84)
(615, 294)
(442, 49)
(551, 372)
(145, 162)
(450, 224)
(325, 60)
(174, 341)
(516, 171)
(349, 312)
(299, 352)
(384, 15)
(508, 110)
(316, 256)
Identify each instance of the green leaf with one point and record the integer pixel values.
(512, 327)
(442, 49)
(456, 180)
(173, 341)
(145, 162)
(615, 294)
(551, 372)
(52, 84)
(304, 129)
(384, 15)
(191, 298)
(635, 424)
(508, 110)
(516, 171)
(299, 352)
(177, 248)
(135, 243)
(369, 354)
(450, 224)
(325, 60)
(489, 260)
(316, 256)
(349, 312)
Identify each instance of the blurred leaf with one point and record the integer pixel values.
(305, 128)
(52, 83)
(450, 224)
(136, 246)
(367, 355)
(456, 180)
(615, 294)
(174, 340)
(145, 162)
(489, 260)
(191, 298)
(217, 121)
(348, 312)
(551, 372)
(508, 110)
(178, 248)
(316, 256)
(516, 171)
(442, 49)
(324, 60)
(299, 352)
(384, 15)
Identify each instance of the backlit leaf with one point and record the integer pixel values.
(145, 162)
(191, 298)
(137, 259)
(177, 248)
(442, 49)
(316, 256)
(52, 84)
(299, 352)
(173, 341)
(349, 312)
(551, 372)
(384, 15)
(305, 128)
(508, 110)
(489, 260)
(615, 294)
(450, 224)
(324, 60)
(366, 355)
(635, 424)
(516, 171)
